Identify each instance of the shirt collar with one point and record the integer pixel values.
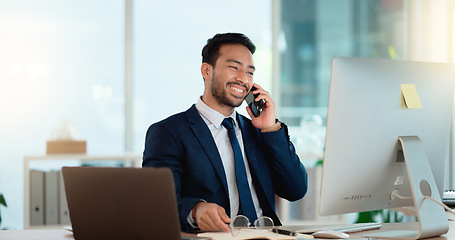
(213, 116)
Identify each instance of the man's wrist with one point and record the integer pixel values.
(273, 128)
(191, 221)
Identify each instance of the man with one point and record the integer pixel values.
(205, 145)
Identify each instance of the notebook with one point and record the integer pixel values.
(122, 203)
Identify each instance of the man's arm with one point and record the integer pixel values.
(162, 151)
(289, 175)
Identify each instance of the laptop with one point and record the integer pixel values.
(122, 203)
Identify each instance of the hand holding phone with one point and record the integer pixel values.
(255, 106)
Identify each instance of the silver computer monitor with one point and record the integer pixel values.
(367, 114)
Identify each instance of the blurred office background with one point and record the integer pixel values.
(114, 67)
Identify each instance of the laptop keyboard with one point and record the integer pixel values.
(346, 228)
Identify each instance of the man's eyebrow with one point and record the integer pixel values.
(238, 62)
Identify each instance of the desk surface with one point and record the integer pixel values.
(65, 235)
(407, 226)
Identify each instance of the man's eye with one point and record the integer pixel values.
(234, 67)
(250, 73)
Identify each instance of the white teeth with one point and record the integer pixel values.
(237, 90)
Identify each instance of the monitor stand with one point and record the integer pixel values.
(431, 216)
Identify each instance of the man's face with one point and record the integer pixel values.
(232, 75)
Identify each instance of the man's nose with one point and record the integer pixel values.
(242, 77)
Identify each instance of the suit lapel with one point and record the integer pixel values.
(205, 138)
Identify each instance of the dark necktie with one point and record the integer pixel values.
(246, 201)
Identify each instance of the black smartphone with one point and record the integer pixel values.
(255, 106)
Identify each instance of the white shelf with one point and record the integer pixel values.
(56, 162)
(126, 157)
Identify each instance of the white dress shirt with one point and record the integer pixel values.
(213, 119)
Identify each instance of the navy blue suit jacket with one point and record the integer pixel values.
(184, 143)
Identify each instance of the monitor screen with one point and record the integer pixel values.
(373, 102)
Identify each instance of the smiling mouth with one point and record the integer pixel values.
(237, 89)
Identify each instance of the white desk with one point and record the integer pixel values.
(404, 226)
(65, 235)
(36, 234)
(408, 226)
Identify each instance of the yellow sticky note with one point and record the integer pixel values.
(410, 96)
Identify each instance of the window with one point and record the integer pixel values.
(59, 61)
(313, 32)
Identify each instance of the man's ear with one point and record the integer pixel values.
(206, 70)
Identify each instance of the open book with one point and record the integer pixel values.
(251, 234)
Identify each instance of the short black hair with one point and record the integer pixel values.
(211, 50)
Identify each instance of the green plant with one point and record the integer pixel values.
(385, 216)
(2, 202)
(366, 217)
